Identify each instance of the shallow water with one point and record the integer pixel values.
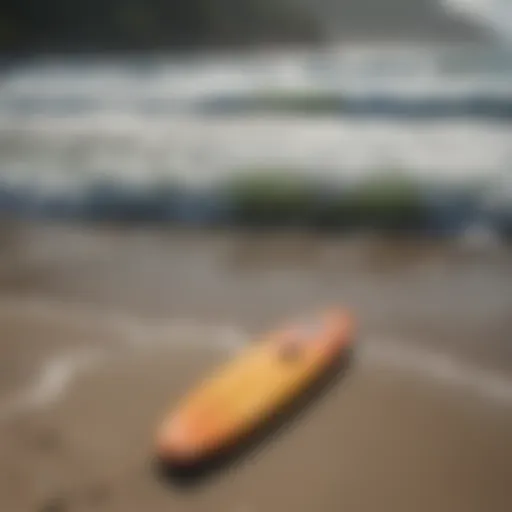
(445, 294)
(104, 328)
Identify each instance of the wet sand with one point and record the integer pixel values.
(102, 329)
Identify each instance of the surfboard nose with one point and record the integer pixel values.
(344, 325)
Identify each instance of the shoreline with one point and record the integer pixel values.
(105, 329)
(389, 203)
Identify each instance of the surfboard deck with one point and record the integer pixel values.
(247, 389)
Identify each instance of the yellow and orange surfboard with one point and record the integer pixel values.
(249, 388)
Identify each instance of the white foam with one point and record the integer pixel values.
(51, 382)
(127, 148)
(135, 333)
(130, 330)
(114, 132)
(440, 367)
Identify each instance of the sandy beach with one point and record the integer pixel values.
(103, 329)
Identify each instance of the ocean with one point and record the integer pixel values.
(441, 113)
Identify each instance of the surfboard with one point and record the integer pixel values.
(246, 390)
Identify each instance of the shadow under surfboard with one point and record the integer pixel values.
(190, 476)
